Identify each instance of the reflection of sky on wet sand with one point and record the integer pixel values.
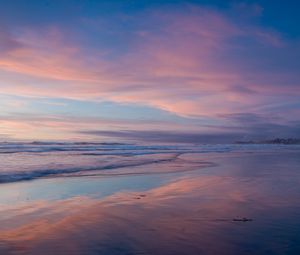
(180, 213)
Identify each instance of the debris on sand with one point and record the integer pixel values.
(242, 219)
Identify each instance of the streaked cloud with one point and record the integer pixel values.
(187, 60)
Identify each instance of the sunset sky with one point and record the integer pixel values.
(162, 71)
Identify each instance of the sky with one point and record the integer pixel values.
(161, 71)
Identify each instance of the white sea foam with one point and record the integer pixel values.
(27, 161)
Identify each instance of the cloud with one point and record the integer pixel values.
(7, 41)
(261, 126)
(58, 126)
(193, 61)
(168, 136)
(234, 127)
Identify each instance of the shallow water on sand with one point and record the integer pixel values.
(170, 200)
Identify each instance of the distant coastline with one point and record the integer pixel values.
(273, 141)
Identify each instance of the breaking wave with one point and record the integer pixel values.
(28, 161)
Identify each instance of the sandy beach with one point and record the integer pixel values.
(237, 203)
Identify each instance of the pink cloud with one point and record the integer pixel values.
(58, 127)
(184, 67)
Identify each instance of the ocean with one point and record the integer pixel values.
(120, 198)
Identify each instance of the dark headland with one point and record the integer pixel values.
(272, 141)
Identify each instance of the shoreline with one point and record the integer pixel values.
(178, 213)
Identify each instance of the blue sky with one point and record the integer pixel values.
(106, 69)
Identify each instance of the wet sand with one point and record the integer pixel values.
(200, 211)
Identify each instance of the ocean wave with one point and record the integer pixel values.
(28, 161)
(40, 147)
(14, 176)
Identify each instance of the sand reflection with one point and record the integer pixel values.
(191, 215)
(182, 216)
